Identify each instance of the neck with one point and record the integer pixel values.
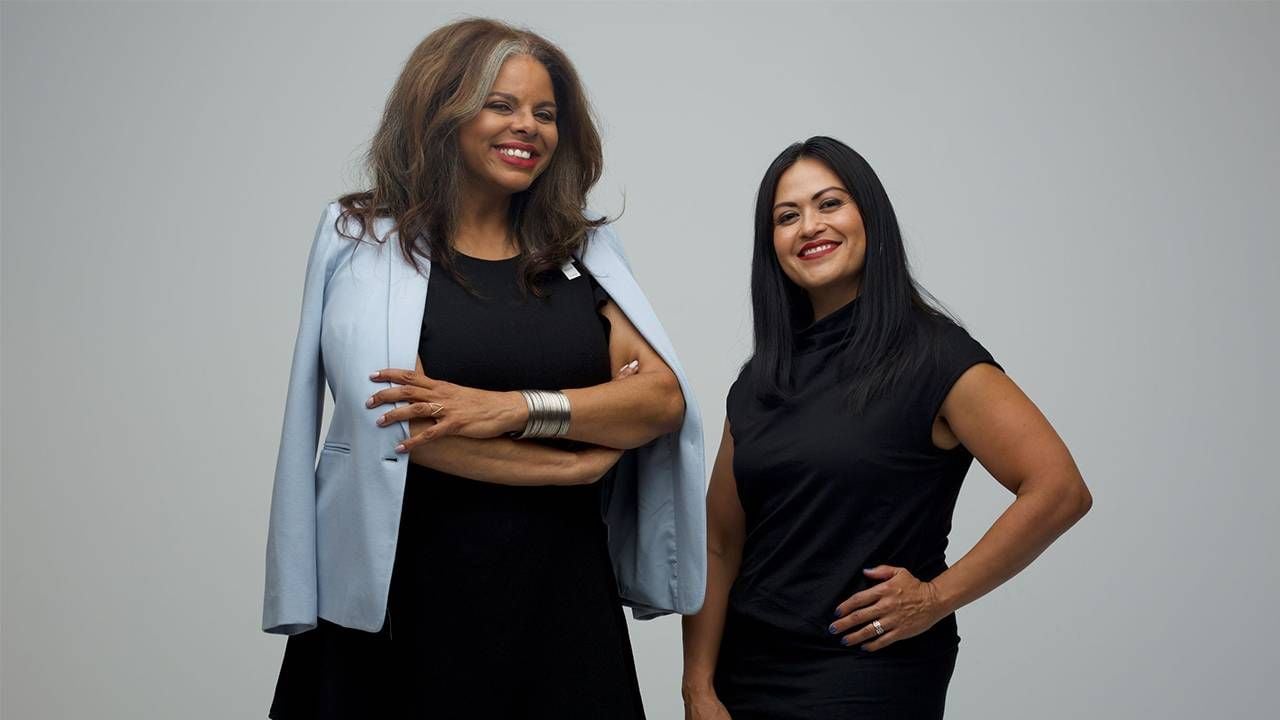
(826, 300)
(483, 230)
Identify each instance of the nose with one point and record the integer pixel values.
(523, 123)
(811, 224)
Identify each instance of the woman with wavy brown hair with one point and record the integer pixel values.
(464, 542)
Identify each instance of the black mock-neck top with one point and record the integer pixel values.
(827, 492)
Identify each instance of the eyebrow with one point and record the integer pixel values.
(815, 196)
(515, 101)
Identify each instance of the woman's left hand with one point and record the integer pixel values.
(455, 410)
(903, 605)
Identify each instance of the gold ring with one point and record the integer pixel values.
(436, 408)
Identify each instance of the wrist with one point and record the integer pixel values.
(944, 603)
(692, 689)
(515, 414)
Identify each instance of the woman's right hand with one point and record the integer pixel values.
(705, 707)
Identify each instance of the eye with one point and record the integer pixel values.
(830, 203)
(546, 116)
(786, 217)
(500, 106)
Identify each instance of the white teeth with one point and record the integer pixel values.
(817, 249)
(525, 154)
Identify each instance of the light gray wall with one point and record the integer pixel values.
(1090, 187)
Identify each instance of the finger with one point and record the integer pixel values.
(399, 393)
(861, 617)
(437, 431)
(401, 376)
(411, 442)
(866, 598)
(415, 411)
(881, 572)
(866, 632)
(629, 369)
(882, 642)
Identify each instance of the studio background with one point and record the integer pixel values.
(1090, 188)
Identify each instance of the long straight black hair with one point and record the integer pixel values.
(884, 340)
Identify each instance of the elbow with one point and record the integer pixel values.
(1084, 500)
(726, 552)
(725, 538)
(672, 415)
(1076, 500)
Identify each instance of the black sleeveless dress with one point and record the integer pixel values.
(503, 602)
(826, 493)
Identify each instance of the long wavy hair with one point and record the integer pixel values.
(415, 165)
(884, 339)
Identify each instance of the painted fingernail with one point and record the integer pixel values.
(373, 376)
(368, 403)
(634, 364)
(382, 420)
(844, 641)
(400, 448)
(832, 629)
(838, 613)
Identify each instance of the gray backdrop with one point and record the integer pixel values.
(1091, 188)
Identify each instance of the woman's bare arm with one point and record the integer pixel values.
(1006, 432)
(505, 461)
(702, 632)
(630, 412)
(513, 462)
(624, 413)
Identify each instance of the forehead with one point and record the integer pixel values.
(526, 78)
(804, 178)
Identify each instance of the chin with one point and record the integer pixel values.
(813, 281)
(505, 186)
(511, 182)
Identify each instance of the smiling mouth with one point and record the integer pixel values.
(517, 153)
(523, 158)
(816, 250)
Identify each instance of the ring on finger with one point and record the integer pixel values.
(436, 408)
(878, 627)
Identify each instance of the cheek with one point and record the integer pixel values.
(474, 158)
(780, 245)
(790, 265)
(851, 228)
(550, 140)
(471, 145)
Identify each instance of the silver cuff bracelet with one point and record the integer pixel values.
(548, 414)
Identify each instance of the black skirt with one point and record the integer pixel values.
(499, 629)
(766, 673)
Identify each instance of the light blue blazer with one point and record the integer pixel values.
(332, 536)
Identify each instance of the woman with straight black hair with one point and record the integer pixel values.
(847, 436)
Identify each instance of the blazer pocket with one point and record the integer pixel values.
(336, 447)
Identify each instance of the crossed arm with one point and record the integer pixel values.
(467, 438)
